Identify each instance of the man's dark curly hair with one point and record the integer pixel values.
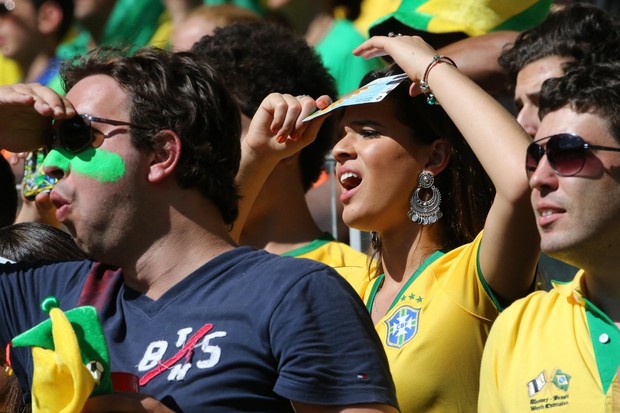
(579, 31)
(592, 88)
(175, 91)
(258, 58)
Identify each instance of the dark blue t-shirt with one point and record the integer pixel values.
(248, 331)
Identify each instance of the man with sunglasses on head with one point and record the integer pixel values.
(559, 351)
(146, 149)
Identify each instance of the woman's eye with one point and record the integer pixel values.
(369, 133)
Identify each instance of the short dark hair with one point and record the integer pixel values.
(8, 193)
(259, 58)
(593, 89)
(35, 241)
(174, 91)
(466, 190)
(576, 32)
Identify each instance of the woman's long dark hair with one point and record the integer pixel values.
(466, 190)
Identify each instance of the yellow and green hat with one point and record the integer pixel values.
(470, 17)
(70, 358)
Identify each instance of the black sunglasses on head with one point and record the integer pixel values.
(76, 134)
(566, 153)
(6, 7)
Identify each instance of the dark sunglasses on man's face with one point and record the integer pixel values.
(566, 153)
(6, 6)
(76, 134)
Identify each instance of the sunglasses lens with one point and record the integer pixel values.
(533, 155)
(566, 154)
(73, 134)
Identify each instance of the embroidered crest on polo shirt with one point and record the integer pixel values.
(402, 326)
(548, 391)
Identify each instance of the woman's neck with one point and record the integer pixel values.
(403, 252)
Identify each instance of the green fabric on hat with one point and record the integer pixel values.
(531, 17)
(335, 53)
(472, 17)
(406, 14)
(87, 328)
(131, 23)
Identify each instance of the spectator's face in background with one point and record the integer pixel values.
(18, 30)
(275, 4)
(190, 31)
(527, 89)
(578, 215)
(99, 196)
(92, 10)
(377, 164)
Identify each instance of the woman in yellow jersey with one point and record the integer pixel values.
(452, 246)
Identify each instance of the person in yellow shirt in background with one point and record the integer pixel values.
(576, 32)
(255, 59)
(559, 351)
(30, 33)
(9, 71)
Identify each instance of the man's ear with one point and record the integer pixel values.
(439, 157)
(50, 18)
(165, 155)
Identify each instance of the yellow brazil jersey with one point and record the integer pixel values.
(552, 352)
(349, 262)
(9, 71)
(434, 332)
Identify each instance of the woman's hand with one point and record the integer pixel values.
(277, 129)
(411, 53)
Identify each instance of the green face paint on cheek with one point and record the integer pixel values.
(99, 164)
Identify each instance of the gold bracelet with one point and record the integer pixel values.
(424, 87)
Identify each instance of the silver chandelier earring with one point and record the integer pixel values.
(425, 211)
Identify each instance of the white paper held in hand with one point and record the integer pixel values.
(373, 92)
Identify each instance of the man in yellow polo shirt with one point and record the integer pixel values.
(559, 351)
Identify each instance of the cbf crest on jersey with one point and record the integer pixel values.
(402, 326)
